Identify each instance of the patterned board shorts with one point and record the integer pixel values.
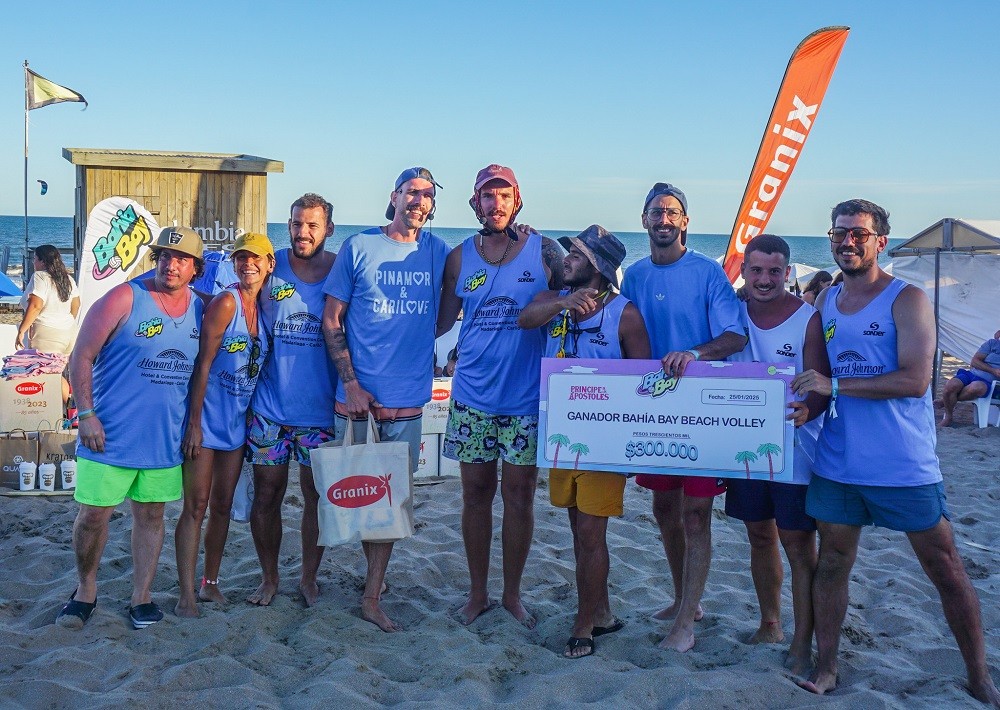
(475, 436)
(272, 444)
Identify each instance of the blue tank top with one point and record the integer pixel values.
(873, 442)
(231, 381)
(596, 337)
(141, 381)
(298, 382)
(784, 343)
(499, 365)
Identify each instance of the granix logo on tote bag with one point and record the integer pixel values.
(359, 491)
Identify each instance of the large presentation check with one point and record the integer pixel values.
(724, 419)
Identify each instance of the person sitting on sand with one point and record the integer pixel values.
(973, 383)
(130, 372)
(385, 362)
(875, 459)
(493, 275)
(782, 329)
(589, 320)
(233, 346)
(292, 408)
(691, 313)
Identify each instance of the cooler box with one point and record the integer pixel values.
(435, 419)
(30, 403)
(427, 463)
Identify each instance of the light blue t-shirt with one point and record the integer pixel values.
(685, 304)
(991, 354)
(392, 290)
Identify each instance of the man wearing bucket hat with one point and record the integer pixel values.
(692, 313)
(291, 412)
(589, 320)
(379, 323)
(233, 346)
(130, 372)
(494, 409)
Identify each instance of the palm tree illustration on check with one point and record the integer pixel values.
(558, 440)
(746, 458)
(768, 450)
(579, 450)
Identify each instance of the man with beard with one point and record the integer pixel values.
(292, 408)
(784, 329)
(691, 313)
(494, 410)
(130, 372)
(875, 460)
(379, 328)
(589, 320)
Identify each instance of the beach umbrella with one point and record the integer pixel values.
(7, 287)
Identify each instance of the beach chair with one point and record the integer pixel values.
(988, 407)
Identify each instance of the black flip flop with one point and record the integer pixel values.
(144, 615)
(616, 625)
(576, 642)
(75, 614)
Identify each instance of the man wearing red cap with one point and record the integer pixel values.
(493, 275)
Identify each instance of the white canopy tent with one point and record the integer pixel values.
(957, 264)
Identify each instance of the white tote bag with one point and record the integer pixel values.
(243, 497)
(365, 491)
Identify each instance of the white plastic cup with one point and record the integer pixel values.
(47, 476)
(26, 471)
(68, 475)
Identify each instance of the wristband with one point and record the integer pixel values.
(86, 413)
(834, 391)
(697, 355)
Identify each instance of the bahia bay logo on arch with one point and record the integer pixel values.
(360, 491)
(302, 322)
(168, 361)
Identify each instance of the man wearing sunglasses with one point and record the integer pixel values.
(589, 320)
(875, 460)
(379, 325)
(691, 313)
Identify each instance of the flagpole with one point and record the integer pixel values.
(24, 258)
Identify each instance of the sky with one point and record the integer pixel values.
(589, 102)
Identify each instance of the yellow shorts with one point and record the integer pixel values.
(592, 492)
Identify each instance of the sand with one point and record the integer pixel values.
(896, 649)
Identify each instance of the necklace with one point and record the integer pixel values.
(177, 323)
(563, 328)
(482, 252)
(249, 314)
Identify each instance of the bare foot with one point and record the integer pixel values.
(371, 611)
(212, 593)
(671, 611)
(798, 663)
(517, 610)
(986, 692)
(945, 420)
(820, 683)
(769, 632)
(310, 593)
(473, 609)
(264, 594)
(678, 640)
(187, 608)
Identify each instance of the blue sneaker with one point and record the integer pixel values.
(144, 615)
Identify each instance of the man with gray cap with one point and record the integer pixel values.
(692, 313)
(130, 372)
(494, 410)
(589, 320)
(378, 323)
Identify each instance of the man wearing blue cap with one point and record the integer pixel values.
(379, 323)
(691, 313)
(589, 320)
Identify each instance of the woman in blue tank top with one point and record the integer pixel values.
(231, 353)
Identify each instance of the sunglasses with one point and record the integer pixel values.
(860, 235)
(253, 367)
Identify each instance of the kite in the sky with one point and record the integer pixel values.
(45, 186)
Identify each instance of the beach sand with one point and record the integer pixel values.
(896, 649)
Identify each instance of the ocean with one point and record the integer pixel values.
(58, 231)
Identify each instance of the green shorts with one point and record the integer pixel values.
(105, 486)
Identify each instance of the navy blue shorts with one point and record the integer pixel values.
(906, 509)
(967, 378)
(754, 501)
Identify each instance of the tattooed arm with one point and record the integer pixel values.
(358, 400)
(552, 260)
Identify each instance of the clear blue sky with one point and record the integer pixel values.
(589, 102)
